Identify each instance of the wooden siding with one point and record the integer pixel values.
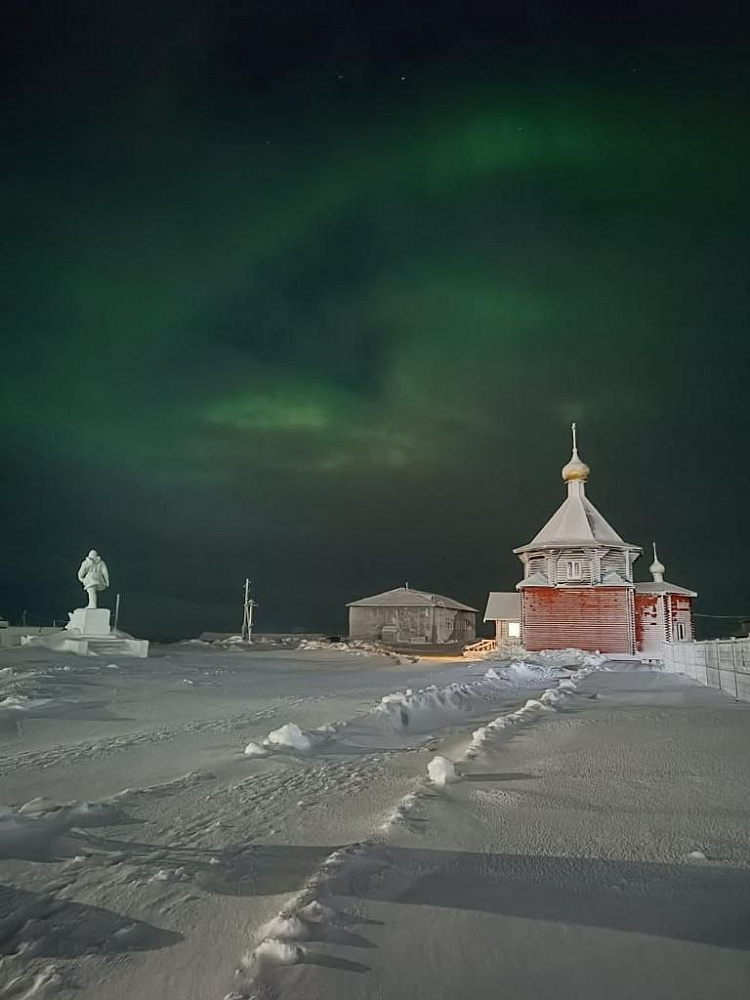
(614, 561)
(579, 617)
(680, 611)
(502, 635)
(455, 626)
(413, 624)
(561, 569)
(536, 564)
(650, 622)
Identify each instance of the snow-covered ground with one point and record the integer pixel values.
(315, 824)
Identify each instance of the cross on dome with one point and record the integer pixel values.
(576, 471)
(657, 568)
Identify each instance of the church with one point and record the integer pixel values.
(578, 588)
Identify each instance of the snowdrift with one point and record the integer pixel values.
(289, 735)
(552, 699)
(431, 707)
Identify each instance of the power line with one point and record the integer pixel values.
(736, 618)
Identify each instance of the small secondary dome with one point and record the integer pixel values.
(657, 568)
(576, 470)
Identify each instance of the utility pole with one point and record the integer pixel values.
(247, 614)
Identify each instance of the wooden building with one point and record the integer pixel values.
(578, 589)
(408, 615)
(663, 611)
(505, 611)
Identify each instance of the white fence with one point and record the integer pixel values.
(719, 663)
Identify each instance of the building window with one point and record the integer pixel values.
(573, 569)
(514, 630)
(681, 632)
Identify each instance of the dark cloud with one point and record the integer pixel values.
(312, 294)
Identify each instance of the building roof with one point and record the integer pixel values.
(407, 597)
(662, 587)
(576, 523)
(613, 579)
(535, 580)
(503, 607)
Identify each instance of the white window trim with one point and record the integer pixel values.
(573, 564)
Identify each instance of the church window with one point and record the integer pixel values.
(573, 569)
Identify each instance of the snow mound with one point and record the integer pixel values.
(524, 673)
(20, 703)
(552, 699)
(273, 951)
(289, 735)
(329, 728)
(430, 707)
(285, 928)
(38, 807)
(575, 658)
(93, 814)
(400, 814)
(442, 772)
(255, 750)
(356, 647)
(316, 913)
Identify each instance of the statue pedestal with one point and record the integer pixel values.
(89, 621)
(88, 633)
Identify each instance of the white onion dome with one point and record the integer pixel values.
(657, 568)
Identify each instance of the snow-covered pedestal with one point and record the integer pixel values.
(89, 633)
(89, 621)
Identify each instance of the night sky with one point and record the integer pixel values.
(310, 292)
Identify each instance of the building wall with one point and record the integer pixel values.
(414, 624)
(579, 617)
(536, 564)
(420, 624)
(615, 561)
(454, 626)
(503, 636)
(657, 617)
(560, 573)
(680, 613)
(650, 622)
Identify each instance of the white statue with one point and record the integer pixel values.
(94, 576)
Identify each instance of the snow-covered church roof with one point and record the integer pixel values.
(576, 523)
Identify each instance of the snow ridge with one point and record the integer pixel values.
(420, 710)
(552, 699)
(306, 918)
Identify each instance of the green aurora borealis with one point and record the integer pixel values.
(329, 332)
